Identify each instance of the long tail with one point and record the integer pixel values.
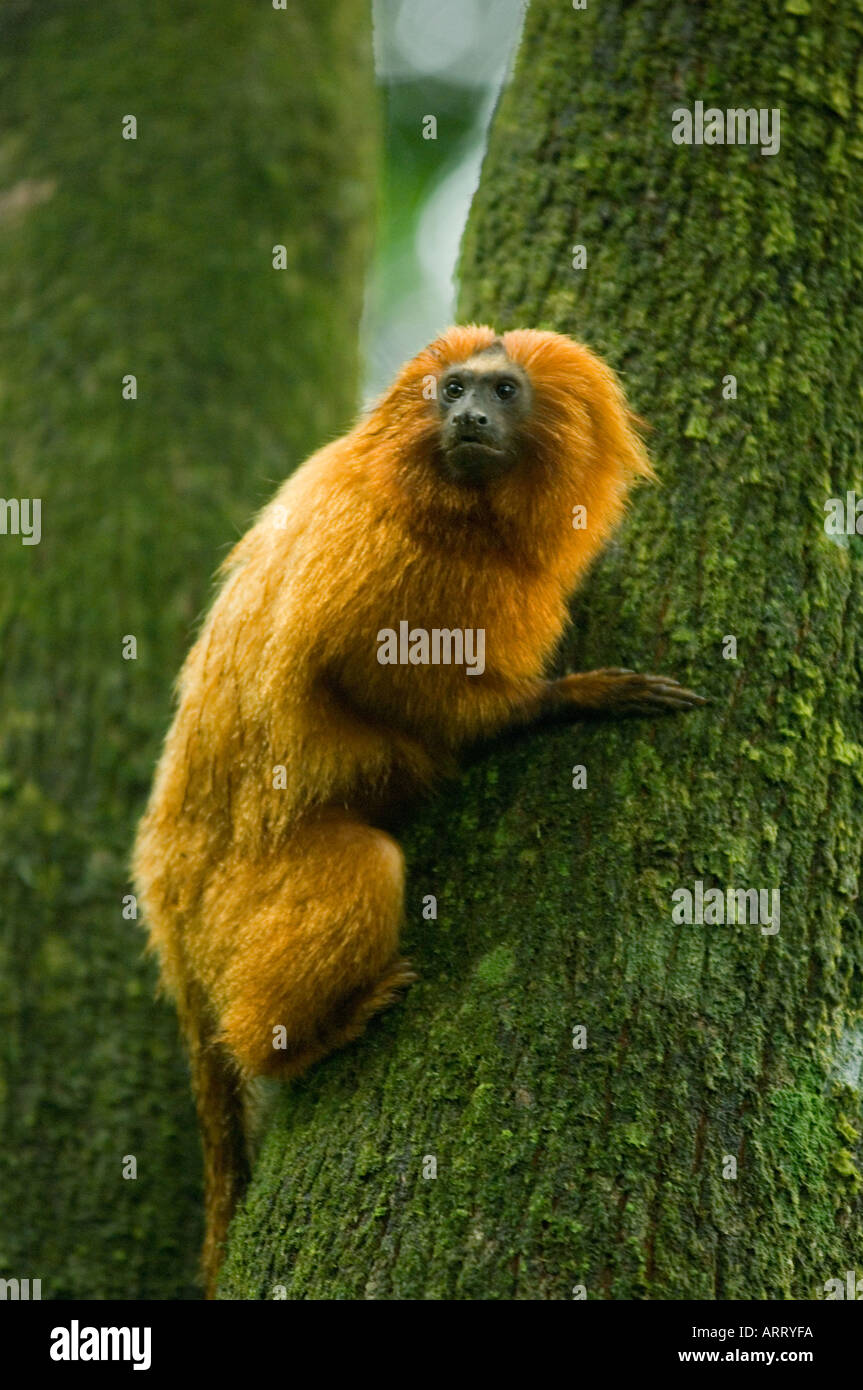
(219, 1098)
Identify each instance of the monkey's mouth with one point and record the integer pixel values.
(471, 460)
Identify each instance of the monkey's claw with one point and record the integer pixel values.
(634, 693)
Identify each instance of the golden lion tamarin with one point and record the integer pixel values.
(273, 901)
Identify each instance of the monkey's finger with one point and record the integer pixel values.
(675, 688)
(677, 700)
(643, 696)
(693, 697)
(640, 678)
(667, 685)
(672, 702)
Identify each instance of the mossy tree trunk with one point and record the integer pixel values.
(151, 257)
(609, 1167)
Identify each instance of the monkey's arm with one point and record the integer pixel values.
(613, 692)
(485, 706)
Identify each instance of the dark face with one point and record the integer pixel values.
(481, 403)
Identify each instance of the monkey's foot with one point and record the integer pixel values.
(354, 1013)
(630, 692)
(616, 691)
(344, 1024)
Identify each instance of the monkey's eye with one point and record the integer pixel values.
(453, 389)
(506, 390)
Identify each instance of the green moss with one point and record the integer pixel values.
(497, 966)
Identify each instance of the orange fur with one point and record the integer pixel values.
(277, 907)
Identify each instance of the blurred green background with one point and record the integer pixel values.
(447, 60)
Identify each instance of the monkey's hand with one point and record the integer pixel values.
(616, 691)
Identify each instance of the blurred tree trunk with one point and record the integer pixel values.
(151, 257)
(609, 1167)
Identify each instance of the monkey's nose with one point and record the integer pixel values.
(471, 422)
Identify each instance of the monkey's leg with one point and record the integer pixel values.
(314, 949)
